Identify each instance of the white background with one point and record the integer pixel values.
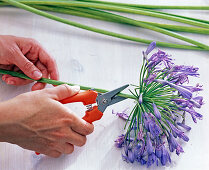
(95, 60)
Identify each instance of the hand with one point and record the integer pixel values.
(26, 55)
(38, 122)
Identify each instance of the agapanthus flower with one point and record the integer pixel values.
(122, 114)
(157, 123)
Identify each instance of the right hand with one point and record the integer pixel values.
(38, 121)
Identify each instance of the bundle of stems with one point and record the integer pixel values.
(102, 10)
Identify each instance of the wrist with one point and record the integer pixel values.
(6, 120)
(2, 122)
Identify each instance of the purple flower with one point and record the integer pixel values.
(159, 57)
(193, 113)
(173, 144)
(179, 79)
(150, 47)
(161, 95)
(131, 156)
(151, 125)
(194, 102)
(158, 148)
(154, 128)
(178, 132)
(184, 126)
(188, 70)
(162, 154)
(149, 146)
(120, 141)
(183, 91)
(151, 159)
(122, 114)
(137, 150)
(150, 79)
(140, 135)
(197, 101)
(141, 160)
(183, 102)
(156, 111)
(193, 89)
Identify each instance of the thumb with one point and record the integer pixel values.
(27, 67)
(62, 91)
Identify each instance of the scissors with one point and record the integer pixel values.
(96, 103)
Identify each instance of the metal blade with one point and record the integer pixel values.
(113, 93)
(109, 98)
(117, 99)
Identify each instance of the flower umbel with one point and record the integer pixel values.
(162, 102)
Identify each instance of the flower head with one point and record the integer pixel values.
(154, 126)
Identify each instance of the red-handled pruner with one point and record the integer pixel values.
(95, 102)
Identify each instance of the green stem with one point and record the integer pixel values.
(143, 25)
(149, 9)
(77, 12)
(55, 82)
(151, 6)
(179, 16)
(56, 18)
(116, 8)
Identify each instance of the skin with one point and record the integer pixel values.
(28, 56)
(37, 120)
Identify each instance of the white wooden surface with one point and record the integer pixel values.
(90, 59)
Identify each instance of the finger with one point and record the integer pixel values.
(68, 148)
(81, 126)
(53, 153)
(65, 148)
(15, 80)
(34, 51)
(27, 66)
(42, 68)
(62, 91)
(50, 63)
(5, 76)
(6, 67)
(49, 152)
(75, 138)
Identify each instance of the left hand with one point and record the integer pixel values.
(28, 56)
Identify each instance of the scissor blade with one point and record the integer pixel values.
(113, 93)
(110, 98)
(117, 99)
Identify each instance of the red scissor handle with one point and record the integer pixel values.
(86, 97)
(93, 115)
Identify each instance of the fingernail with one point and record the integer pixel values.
(10, 82)
(75, 88)
(37, 74)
